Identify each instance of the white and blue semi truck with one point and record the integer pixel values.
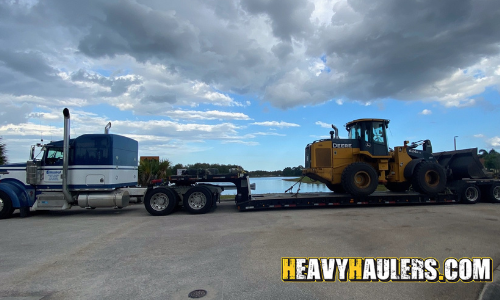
(90, 171)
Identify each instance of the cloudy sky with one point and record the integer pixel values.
(249, 82)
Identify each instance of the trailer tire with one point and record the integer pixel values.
(160, 201)
(494, 193)
(198, 200)
(6, 208)
(398, 187)
(470, 194)
(359, 179)
(429, 178)
(336, 188)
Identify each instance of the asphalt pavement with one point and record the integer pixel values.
(128, 254)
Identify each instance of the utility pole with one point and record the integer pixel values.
(455, 142)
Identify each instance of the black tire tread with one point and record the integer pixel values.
(348, 179)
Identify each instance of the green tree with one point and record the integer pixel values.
(491, 160)
(150, 169)
(3, 156)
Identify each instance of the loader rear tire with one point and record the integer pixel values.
(359, 179)
(494, 193)
(336, 188)
(160, 201)
(6, 208)
(398, 187)
(429, 178)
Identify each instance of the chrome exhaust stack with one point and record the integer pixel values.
(106, 129)
(65, 190)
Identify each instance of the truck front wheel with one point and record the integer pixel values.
(198, 200)
(6, 208)
(160, 201)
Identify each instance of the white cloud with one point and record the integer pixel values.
(205, 115)
(426, 112)
(323, 124)
(480, 135)
(280, 124)
(494, 141)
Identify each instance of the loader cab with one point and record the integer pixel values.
(371, 134)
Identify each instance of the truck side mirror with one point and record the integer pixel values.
(32, 153)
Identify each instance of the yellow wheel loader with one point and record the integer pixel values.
(358, 164)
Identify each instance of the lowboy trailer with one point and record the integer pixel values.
(200, 194)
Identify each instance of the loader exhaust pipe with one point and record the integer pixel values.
(65, 190)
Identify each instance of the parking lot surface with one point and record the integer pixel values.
(129, 254)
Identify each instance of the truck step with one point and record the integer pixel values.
(51, 201)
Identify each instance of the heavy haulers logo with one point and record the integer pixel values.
(412, 269)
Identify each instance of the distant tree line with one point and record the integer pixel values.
(161, 169)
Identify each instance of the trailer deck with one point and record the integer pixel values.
(284, 200)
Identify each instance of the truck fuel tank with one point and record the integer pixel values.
(119, 198)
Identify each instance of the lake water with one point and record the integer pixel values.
(264, 185)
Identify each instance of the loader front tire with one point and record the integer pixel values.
(429, 178)
(359, 179)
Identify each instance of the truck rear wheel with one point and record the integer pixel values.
(429, 178)
(198, 200)
(6, 208)
(160, 201)
(359, 179)
(336, 188)
(494, 193)
(470, 194)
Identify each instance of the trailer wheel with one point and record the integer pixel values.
(198, 200)
(359, 179)
(398, 187)
(160, 201)
(470, 194)
(429, 178)
(336, 188)
(494, 193)
(6, 208)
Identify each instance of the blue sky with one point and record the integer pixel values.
(248, 82)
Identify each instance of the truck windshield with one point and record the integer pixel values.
(54, 156)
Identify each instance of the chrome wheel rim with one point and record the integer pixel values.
(1, 204)
(197, 200)
(159, 202)
(471, 194)
(496, 192)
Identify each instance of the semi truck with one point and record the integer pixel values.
(90, 171)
